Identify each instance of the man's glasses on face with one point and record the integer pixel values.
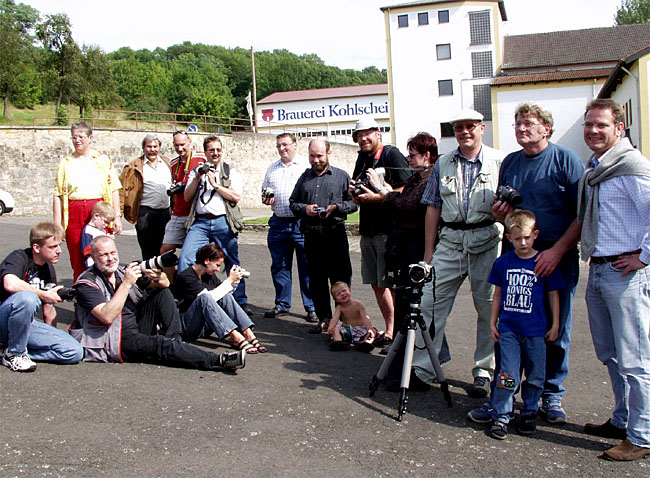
(460, 127)
(525, 124)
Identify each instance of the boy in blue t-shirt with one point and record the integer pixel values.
(518, 306)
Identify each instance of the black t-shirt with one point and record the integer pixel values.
(371, 219)
(188, 285)
(21, 264)
(90, 297)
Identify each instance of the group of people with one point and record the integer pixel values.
(450, 211)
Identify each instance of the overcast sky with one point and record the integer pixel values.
(344, 33)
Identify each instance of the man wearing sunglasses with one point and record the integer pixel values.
(459, 196)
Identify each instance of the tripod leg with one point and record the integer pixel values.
(406, 373)
(440, 376)
(385, 365)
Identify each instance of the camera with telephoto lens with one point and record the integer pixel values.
(65, 293)
(268, 193)
(365, 182)
(205, 167)
(321, 211)
(420, 273)
(168, 259)
(177, 188)
(509, 195)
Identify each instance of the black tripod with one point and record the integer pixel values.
(409, 328)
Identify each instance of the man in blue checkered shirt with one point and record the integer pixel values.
(284, 236)
(614, 209)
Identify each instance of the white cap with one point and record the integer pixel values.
(466, 115)
(364, 123)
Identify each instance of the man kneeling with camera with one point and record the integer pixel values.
(123, 314)
(26, 276)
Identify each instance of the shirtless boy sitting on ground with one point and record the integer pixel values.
(355, 328)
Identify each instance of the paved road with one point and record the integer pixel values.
(296, 411)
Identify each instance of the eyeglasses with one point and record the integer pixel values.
(212, 150)
(79, 137)
(414, 155)
(180, 131)
(525, 124)
(459, 128)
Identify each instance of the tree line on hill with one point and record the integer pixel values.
(41, 63)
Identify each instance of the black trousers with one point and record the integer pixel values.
(150, 230)
(142, 345)
(328, 259)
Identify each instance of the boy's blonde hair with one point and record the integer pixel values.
(104, 210)
(338, 284)
(521, 218)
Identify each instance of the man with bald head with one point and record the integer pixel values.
(321, 200)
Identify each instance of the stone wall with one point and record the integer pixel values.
(29, 157)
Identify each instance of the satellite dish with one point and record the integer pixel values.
(192, 128)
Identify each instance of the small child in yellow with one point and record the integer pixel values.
(355, 328)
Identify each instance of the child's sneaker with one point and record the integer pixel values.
(18, 363)
(499, 431)
(553, 411)
(527, 424)
(481, 415)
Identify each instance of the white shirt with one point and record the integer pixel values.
(157, 180)
(282, 179)
(209, 203)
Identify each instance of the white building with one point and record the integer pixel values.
(441, 58)
(327, 112)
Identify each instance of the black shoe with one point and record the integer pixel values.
(606, 430)
(498, 430)
(311, 317)
(274, 312)
(320, 327)
(480, 388)
(233, 360)
(247, 308)
(527, 425)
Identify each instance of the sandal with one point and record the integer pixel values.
(247, 346)
(260, 348)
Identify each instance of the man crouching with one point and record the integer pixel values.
(124, 317)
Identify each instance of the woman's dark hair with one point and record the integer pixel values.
(210, 252)
(423, 142)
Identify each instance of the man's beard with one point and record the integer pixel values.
(320, 167)
(107, 270)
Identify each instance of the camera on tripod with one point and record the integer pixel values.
(420, 273)
(66, 293)
(205, 167)
(168, 259)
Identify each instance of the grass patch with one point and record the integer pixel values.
(353, 218)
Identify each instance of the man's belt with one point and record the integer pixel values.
(464, 226)
(207, 215)
(604, 259)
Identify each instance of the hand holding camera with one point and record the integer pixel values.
(237, 273)
(268, 196)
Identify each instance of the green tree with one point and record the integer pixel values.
(93, 83)
(19, 82)
(632, 11)
(55, 33)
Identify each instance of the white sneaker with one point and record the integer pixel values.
(19, 363)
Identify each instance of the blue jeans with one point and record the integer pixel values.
(220, 317)
(284, 238)
(515, 352)
(619, 317)
(205, 231)
(40, 341)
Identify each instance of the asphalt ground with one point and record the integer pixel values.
(299, 410)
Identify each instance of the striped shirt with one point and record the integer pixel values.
(282, 179)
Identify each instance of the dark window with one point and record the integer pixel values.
(402, 21)
(446, 130)
(481, 64)
(423, 18)
(443, 52)
(443, 16)
(479, 28)
(483, 101)
(445, 87)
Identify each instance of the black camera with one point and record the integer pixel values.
(65, 293)
(177, 188)
(268, 193)
(358, 186)
(420, 273)
(321, 211)
(205, 167)
(168, 259)
(509, 195)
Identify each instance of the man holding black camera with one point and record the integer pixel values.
(459, 197)
(144, 198)
(125, 314)
(547, 177)
(284, 228)
(321, 199)
(26, 276)
(215, 189)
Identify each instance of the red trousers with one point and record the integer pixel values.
(78, 216)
